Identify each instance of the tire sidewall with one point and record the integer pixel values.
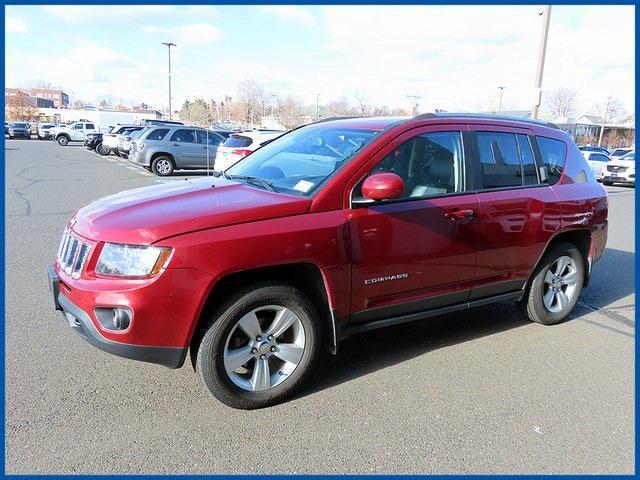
(62, 141)
(155, 162)
(537, 287)
(210, 361)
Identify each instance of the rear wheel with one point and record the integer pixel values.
(607, 183)
(555, 286)
(259, 347)
(162, 166)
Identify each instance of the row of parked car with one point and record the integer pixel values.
(611, 166)
(163, 147)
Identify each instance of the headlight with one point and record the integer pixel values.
(131, 260)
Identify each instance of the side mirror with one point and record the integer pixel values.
(382, 186)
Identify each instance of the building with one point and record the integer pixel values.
(44, 103)
(19, 97)
(59, 98)
(586, 130)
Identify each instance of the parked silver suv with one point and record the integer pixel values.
(166, 148)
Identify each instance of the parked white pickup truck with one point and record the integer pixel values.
(76, 132)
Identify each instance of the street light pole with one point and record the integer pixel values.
(604, 120)
(500, 100)
(317, 105)
(169, 45)
(546, 16)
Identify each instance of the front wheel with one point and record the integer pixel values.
(102, 150)
(555, 286)
(607, 183)
(259, 347)
(63, 141)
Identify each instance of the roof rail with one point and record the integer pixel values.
(487, 116)
(328, 119)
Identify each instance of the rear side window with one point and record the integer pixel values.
(528, 163)
(185, 136)
(158, 134)
(499, 160)
(553, 153)
(90, 126)
(237, 141)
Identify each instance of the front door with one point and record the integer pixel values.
(208, 142)
(417, 252)
(185, 148)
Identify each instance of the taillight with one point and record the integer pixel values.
(241, 152)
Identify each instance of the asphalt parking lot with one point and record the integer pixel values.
(477, 392)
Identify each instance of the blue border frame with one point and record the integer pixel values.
(293, 2)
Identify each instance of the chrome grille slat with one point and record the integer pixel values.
(72, 254)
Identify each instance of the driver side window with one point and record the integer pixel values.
(430, 165)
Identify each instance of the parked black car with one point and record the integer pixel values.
(94, 142)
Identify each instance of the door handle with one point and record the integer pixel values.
(176, 144)
(459, 214)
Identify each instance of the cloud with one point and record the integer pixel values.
(291, 13)
(15, 25)
(196, 33)
(82, 13)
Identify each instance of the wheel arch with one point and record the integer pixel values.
(306, 276)
(66, 135)
(155, 155)
(581, 238)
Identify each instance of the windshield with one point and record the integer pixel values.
(629, 156)
(300, 161)
(20, 125)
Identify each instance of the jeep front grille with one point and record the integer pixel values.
(616, 168)
(72, 253)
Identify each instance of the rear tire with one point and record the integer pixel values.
(62, 141)
(555, 285)
(162, 166)
(285, 326)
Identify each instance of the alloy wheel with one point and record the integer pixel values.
(560, 284)
(264, 348)
(163, 166)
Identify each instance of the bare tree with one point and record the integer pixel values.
(361, 102)
(340, 108)
(251, 95)
(289, 112)
(561, 102)
(611, 110)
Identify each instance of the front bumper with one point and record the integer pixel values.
(619, 177)
(80, 322)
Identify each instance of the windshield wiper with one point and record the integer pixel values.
(264, 183)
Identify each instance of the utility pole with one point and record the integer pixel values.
(604, 120)
(546, 16)
(317, 105)
(415, 99)
(500, 100)
(169, 45)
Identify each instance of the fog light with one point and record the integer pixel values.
(121, 318)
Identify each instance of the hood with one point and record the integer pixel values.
(146, 215)
(622, 163)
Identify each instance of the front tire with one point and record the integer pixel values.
(608, 184)
(63, 141)
(102, 150)
(555, 285)
(259, 347)
(162, 166)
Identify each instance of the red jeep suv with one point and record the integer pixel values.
(335, 228)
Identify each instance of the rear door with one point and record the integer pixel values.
(185, 148)
(517, 211)
(417, 252)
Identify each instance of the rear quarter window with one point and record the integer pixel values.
(554, 153)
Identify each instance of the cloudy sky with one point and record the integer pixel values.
(453, 57)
